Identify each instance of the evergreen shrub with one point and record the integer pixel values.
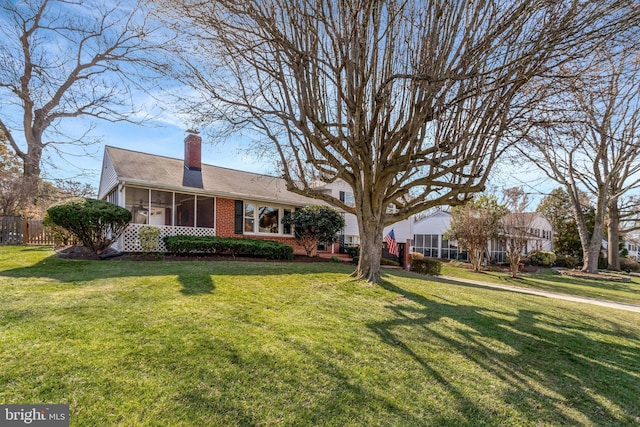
(541, 258)
(96, 223)
(428, 266)
(268, 249)
(149, 238)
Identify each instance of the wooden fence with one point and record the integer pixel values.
(15, 230)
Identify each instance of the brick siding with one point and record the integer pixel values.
(225, 210)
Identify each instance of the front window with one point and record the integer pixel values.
(249, 219)
(426, 244)
(268, 219)
(349, 200)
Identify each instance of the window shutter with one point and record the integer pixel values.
(238, 217)
(342, 196)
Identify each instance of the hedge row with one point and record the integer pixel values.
(228, 246)
(430, 267)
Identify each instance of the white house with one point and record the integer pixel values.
(429, 237)
(351, 234)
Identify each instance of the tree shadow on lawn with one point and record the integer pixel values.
(331, 394)
(553, 367)
(631, 287)
(196, 277)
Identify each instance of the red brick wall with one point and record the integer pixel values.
(225, 209)
(225, 213)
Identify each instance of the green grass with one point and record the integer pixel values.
(269, 343)
(548, 280)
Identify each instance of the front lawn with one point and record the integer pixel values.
(302, 344)
(548, 280)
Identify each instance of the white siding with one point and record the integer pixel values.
(438, 223)
(403, 230)
(351, 225)
(542, 224)
(108, 178)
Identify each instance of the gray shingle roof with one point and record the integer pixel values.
(151, 170)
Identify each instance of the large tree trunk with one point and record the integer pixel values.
(591, 246)
(370, 253)
(590, 257)
(32, 160)
(591, 241)
(613, 238)
(371, 226)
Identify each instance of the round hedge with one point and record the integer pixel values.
(96, 223)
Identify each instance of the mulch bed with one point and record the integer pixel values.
(81, 253)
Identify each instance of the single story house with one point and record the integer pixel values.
(188, 197)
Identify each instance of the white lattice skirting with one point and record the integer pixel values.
(131, 242)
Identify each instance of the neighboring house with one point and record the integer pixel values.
(429, 237)
(188, 197)
(351, 234)
(632, 244)
(536, 227)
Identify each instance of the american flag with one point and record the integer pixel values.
(392, 245)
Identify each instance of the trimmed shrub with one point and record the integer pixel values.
(313, 224)
(353, 252)
(416, 255)
(541, 258)
(566, 261)
(96, 223)
(149, 238)
(629, 265)
(228, 246)
(428, 266)
(60, 235)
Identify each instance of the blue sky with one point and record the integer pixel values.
(155, 137)
(164, 136)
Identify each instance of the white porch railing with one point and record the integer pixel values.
(131, 242)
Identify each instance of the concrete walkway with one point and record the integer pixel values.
(603, 303)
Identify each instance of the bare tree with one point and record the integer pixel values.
(516, 226)
(406, 101)
(557, 208)
(618, 117)
(68, 59)
(474, 224)
(592, 143)
(12, 187)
